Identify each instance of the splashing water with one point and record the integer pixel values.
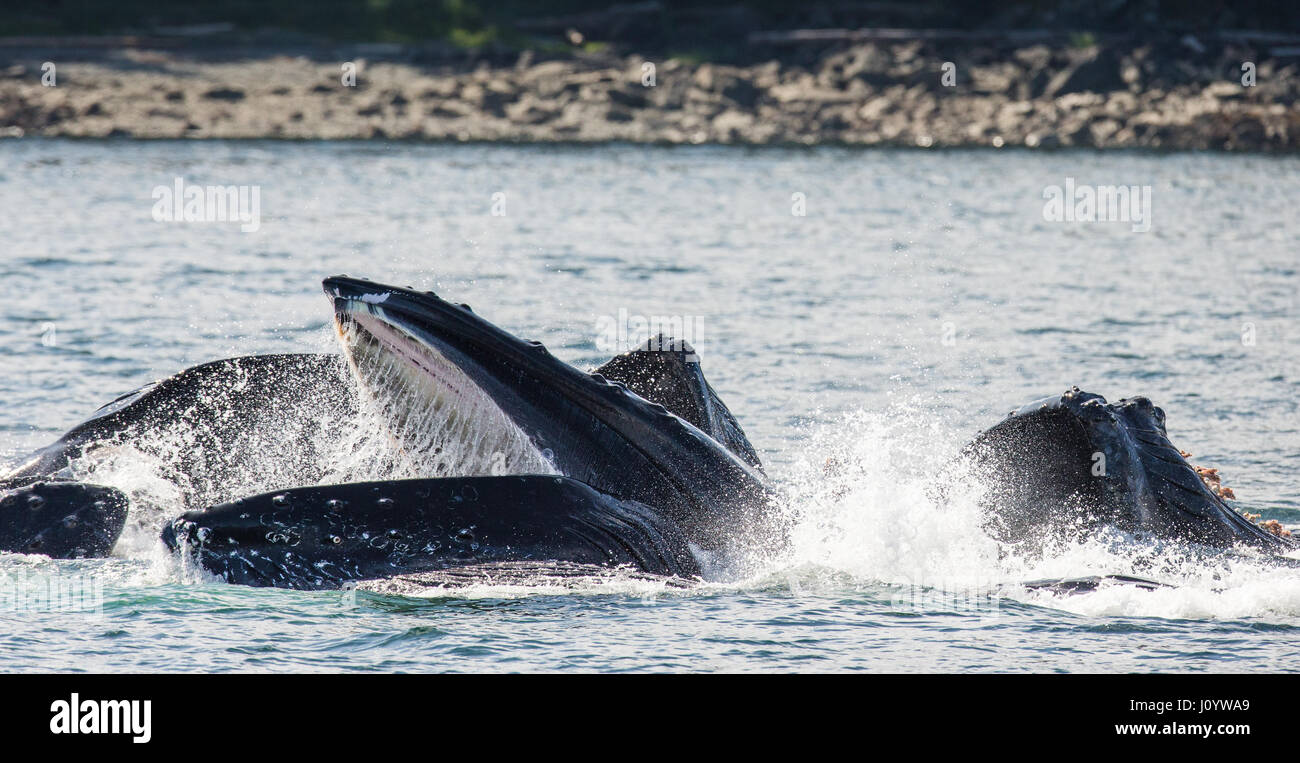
(229, 440)
(838, 315)
(297, 429)
(863, 502)
(866, 508)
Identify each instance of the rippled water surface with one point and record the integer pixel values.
(920, 298)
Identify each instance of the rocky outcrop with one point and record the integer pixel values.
(865, 94)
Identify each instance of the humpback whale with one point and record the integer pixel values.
(498, 455)
(551, 462)
(207, 426)
(63, 520)
(1075, 463)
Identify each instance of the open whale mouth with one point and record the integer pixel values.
(415, 356)
(515, 456)
(462, 397)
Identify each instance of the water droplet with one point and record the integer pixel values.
(35, 502)
(70, 522)
(336, 503)
(385, 503)
(335, 539)
(280, 500)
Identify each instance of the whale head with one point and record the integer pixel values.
(64, 520)
(447, 381)
(1077, 461)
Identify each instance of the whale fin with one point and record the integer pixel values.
(667, 371)
(1091, 583)
(324, 536)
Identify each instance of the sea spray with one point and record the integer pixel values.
(881, 500)
(863, 501)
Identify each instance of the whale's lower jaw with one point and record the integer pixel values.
(331, 535)
(1074, 463)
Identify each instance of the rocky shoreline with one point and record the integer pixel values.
(910, 93)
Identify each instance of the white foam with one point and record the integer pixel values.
(873, 516)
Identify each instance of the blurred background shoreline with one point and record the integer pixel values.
(1102, 74)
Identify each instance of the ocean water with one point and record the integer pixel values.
(919, 297)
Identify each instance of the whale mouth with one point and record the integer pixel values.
(441, 411)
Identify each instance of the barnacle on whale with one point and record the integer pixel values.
(1276, 528)
(1212, 481)
(1210, 476)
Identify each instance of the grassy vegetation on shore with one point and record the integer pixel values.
(653, 26)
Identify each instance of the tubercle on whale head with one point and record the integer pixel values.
(382, 325)
(408, 308)
(325, 535)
